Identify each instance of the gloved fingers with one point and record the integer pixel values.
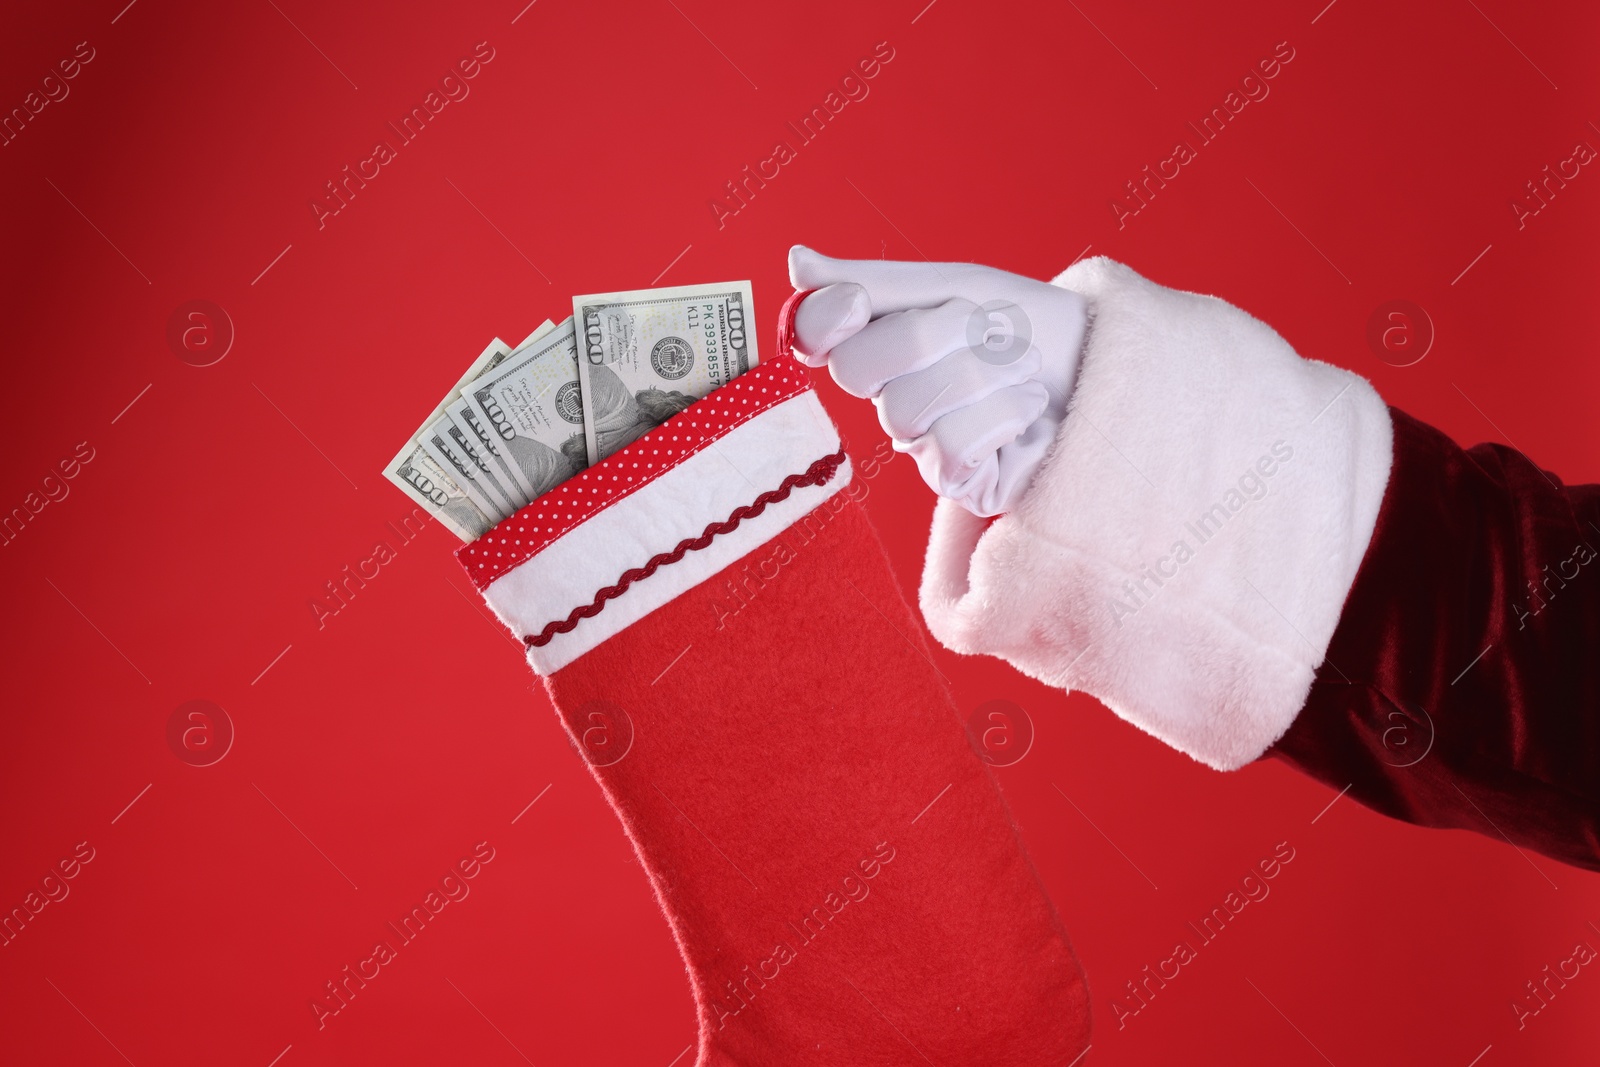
(892, 285)
(959, 443)
(909, 405)
(997, 485)
(1000, 332)
(899, 343)
(976, 491)
(827, 317)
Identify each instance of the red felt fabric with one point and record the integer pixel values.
(838, 867)
(1462, 686)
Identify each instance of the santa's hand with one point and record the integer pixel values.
(970, 367)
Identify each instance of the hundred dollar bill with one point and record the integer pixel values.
(646, 354)
(533, 405)
(492, 353)
(421, 478)
(464, 421)
(444, 441)
(456, 449)
(474, 428)
(448, 448)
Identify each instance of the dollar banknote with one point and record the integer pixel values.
(444, 441)
(426, 481)
(465, 421)
(421, 478)
(522, 420)
(532, 406)
(506, 475)
(646, 354)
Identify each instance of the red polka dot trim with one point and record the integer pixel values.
(589, 492)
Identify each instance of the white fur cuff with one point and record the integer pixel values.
(1184, 552)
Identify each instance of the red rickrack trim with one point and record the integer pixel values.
(818, 473)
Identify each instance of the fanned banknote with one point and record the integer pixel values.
(646, 354)
(492, 353)
(445, 442)
(421, 478)
(521, 421)
(455, 449)
(426, 481)
(532, 405)
(460, 411)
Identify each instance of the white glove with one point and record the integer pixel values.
(970, 367)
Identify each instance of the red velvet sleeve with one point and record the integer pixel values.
(1460, 689)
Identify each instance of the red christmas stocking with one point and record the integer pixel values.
(716, 621)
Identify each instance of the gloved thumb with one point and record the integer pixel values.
(827, 317)
(892, 285)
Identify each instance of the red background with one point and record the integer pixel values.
(376, 751)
